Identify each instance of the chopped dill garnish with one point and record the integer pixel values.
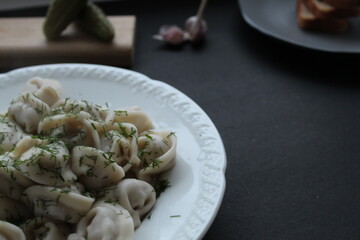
(149, 137)
(111, 201)
(165, 142)
(170, 134)
(161, 186)
(120, 113)
(67, 218)
(155, 163)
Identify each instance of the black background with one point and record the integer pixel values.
(289, 118)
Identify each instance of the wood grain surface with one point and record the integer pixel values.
(23, 43)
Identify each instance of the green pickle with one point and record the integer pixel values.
(60, 14)
(93, 21)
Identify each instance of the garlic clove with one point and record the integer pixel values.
(195, 30)
(171, 34)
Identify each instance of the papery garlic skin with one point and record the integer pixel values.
(171, 34)
(195, 31)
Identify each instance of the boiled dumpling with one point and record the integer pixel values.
(47, 90)
(95, 168)
(157, 150)
(45, 229)
(106, 221)
(10, 134)
(73, 129)
(74, 170)
(121, 140)
(136, 196)
(12, 210)
(125, 149)
(131, 115)
(75, 236)
(71, 106)
(13, 182)
(27, 111)
(10, 231)
(44, 161)
(67, 204)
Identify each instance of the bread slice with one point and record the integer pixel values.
(342, 3)
(308, 21)
(323, 10)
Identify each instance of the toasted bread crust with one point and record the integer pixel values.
(307, 20)
(323, 10)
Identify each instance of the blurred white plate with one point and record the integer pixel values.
(186, 209)
(277, 18)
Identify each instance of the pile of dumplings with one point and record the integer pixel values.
(71, 169)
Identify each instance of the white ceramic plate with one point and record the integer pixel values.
(188, 207)
(277, 18)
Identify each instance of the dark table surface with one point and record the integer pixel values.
(289, 118)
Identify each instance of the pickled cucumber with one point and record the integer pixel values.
(93, 21)
(60, 14)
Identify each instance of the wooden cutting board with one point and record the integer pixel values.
(22, 43)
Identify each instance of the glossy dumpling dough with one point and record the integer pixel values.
(67, 105)
(131, 115)
(157, 151)
(47, 90)
(13, 182)
(95, 168)
(45, 229)
(27, 111)
(10, 134)
(73, 129)
(125, 150)
(75, 236)
(43, 161)
(10, 231)
(66, 204)
(120, 139)
(12, 210)
(136, 196)
(105, 221)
